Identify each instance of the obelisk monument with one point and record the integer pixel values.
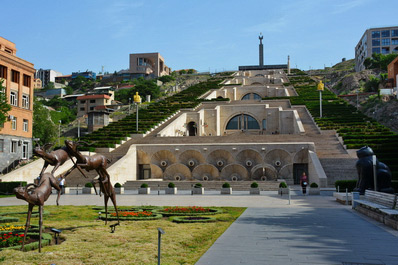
(261, 50)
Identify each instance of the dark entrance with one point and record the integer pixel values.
(192, 128)
(144, 171)
(298, 170)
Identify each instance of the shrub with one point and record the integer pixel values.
(8, 187)
(254, 185)
(171, 185)
(118, 185)
(88, 185)
(282, 185)
(346, 184)
(198, 185)
(313, 185)
(144, 185)
(226, 185)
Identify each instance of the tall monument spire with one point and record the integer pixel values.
(288, 64)
(261, 54)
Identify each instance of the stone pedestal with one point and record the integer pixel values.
(226, 190)
(255, 191)
(144, 190)
(199, 191)
(171, 190)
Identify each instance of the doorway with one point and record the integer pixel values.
(298, 170)
(192, 128)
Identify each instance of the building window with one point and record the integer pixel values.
(92, 108)
(13, 146)
(1, 145)
(385, 42)
(82, 101)
(82, 109)
(14, 98)
(395, 50)
(385, 50)
(394, 41)
(25, 101)
(264, 124)
(376, 42)
(3, 72)
(26, 80)
(243, 122)
(251, 96)
(385, 33)
(14, 76)
(375, 50)
(25, 125)
(13, 122)
(375, 34)
(394, 33)
(92, 100)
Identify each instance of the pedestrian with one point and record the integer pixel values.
(62, 184)
(304, 182)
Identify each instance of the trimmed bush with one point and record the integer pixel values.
(88, 185)
(144, 185)
(282, 185)
(171, 185)
(118, 185)
(313, 185)
(346, 184)
(226, 185)
(8, 187)
(254, 185)
(198, 185)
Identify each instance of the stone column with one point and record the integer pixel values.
(261, 54)
(288, 65)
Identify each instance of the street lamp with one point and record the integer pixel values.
(320, 88)
(137, 100)
(129, 104)
(59, 132)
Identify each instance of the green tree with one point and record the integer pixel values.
(43, 126)
(50, 85)
(4, 106)
(379, 61)
(372, 85)
(81, 83)
(166, 78)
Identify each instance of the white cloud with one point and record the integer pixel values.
(277, 25)
(347, 6)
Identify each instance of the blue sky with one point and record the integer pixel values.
(205, 35)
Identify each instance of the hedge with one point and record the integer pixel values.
(346, 184)
(8, 187)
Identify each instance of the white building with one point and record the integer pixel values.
(47, 76)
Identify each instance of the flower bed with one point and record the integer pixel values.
(9, 227)
(188, 211)
(32, 242)
(193, 219)
(132, 216)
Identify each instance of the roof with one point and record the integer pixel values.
(103, 87)
(94, 97)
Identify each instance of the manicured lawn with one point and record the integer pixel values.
(89, 241)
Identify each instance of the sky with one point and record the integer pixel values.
(206, 35)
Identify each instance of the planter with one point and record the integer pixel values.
(88, 190)
(314, 191)
(171, 190)
(200, 191)
(226, 190)
(282, 191)
(144, 190)
(255, 191)
(119, 190)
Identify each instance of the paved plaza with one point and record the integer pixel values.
(309, 230)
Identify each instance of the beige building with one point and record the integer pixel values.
(18, 78)
(97, 98)
(148, 64)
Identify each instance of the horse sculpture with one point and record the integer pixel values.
(37, 195)
(99, 163)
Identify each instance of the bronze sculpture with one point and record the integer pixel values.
(55, 158)
(37, 195)
(99, 163)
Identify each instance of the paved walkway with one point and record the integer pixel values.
(311, 230)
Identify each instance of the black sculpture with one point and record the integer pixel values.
(364, 167)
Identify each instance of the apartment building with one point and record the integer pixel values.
(375, 40)
(16, 133)
(99, 96)
(148, 64)
(46, 76)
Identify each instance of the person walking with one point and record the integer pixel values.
(62, 184)
(304, 183)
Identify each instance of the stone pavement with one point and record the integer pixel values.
(311, 230)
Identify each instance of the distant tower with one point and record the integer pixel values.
(261, 49)
(288, 64)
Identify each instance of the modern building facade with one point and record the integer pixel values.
(46, 76)
(99, 96)
(16, 133)
(148, 64)
(375, 40)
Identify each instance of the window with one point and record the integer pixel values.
(92, 108)
(395, 50)
(243, 122)
(394, 33)
(264, 124)
(82, 101)
(14, 76)
(394, 41)
(376, 42)
(13, 122)
(375, 34)
(82, 109)
(14, 98)
(26, 80)
(385, 42)
(1, 145)
(25, 146)
(92, 101)
(25, 101)
(25, 125)
(375, 50)
(385, 33)
(385, 50)
(3, 72)
(251, 96)
(13, 146)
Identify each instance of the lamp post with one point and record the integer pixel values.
(59, 132)
(137, 100)
(320, 88)
(129, 105)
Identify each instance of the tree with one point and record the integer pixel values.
(166, 78)
(4, 106)
(43, 126)
(50, 85)
(379, 61)
(142, 86)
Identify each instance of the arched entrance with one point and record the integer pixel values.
(192, 128)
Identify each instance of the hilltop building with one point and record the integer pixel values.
(46, 76)
(375, 40)
(148, 64)
(16, 134)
